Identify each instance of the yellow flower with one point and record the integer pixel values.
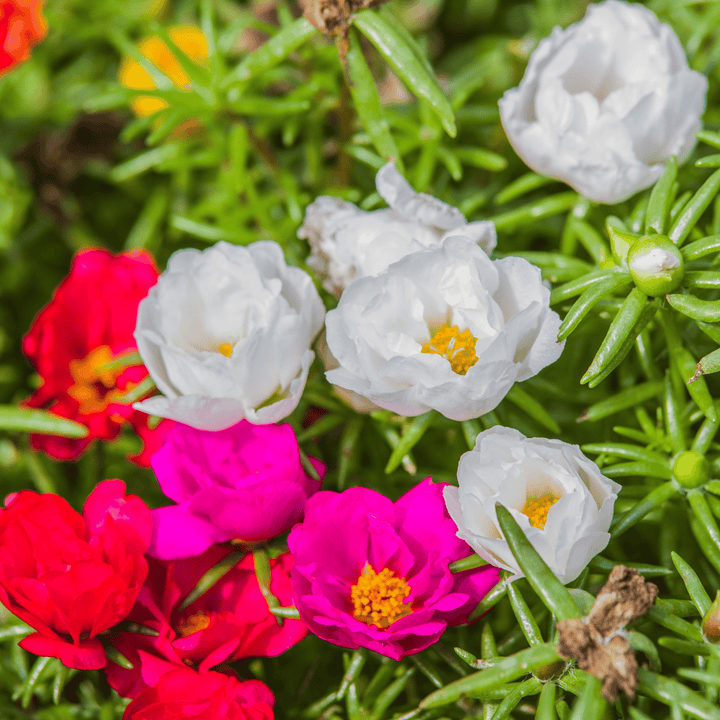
(132, 75)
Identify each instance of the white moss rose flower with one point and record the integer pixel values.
(606, 102)
(445, 329)
(348, 243)
(226, 333)
(560, 499)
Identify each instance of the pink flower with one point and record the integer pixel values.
(372, 573)
(244, 483)
(230, 621)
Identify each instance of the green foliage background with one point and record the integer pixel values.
(283, 127)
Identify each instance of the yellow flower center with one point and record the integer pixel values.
(94, 390)
(537, 507)
(378, 597)
(226, 349)
(458, 347)
(194, 623)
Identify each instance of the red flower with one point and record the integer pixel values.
(72, 576)
(228, 622)
(183, 693)
(21, 26)
(89, 322)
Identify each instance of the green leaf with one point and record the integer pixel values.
(505, 671)
(623, 400)
(591, 705)
(621, 242)
(481, 158)
(367, 101)
(590, 239)
(531, 686)
(524, 616)
(15, 419)
(639, 469)
(348, 448)
(589, 298)
(389, 695)
(622, 328)
(670, 691)
(404, 57)
(661, 199)
(548, 588)
(264, 577)
(37, 670)
(212, 576)
(489, 601)
(689, 216)
(144, 161)
(604, 565)
(706, 311)
(269, 54)
(657, 497)
(145, 231)
(522, 186)
(546, 704)
(411, 436)
(625, 450)
(531, 213)
(577, 287)
(707, 365)
(353, 670)
(701, 248)
(533, 408)
(701, 510)
(136, 393)
(469, 563)
(642, 643)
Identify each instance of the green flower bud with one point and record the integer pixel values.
(691, 469)
(656, 265)
(711, 621)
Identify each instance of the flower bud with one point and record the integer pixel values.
(691, 469)
(656, 265)
(711, 621)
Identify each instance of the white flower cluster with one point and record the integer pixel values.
(606, 102)
(348, 243)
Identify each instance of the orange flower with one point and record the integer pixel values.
(22, 25)
(132, 75)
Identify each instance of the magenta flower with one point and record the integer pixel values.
(372, 573)
(244, 483)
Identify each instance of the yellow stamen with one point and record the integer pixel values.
(94, 390)
(194, 623)
(378, 597)
(537, 507)
(226, 349)
(458, 347)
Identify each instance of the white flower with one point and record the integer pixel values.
(348, 243)
(225, 334)
(560, 499)
(606, 102)
(447, 329)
